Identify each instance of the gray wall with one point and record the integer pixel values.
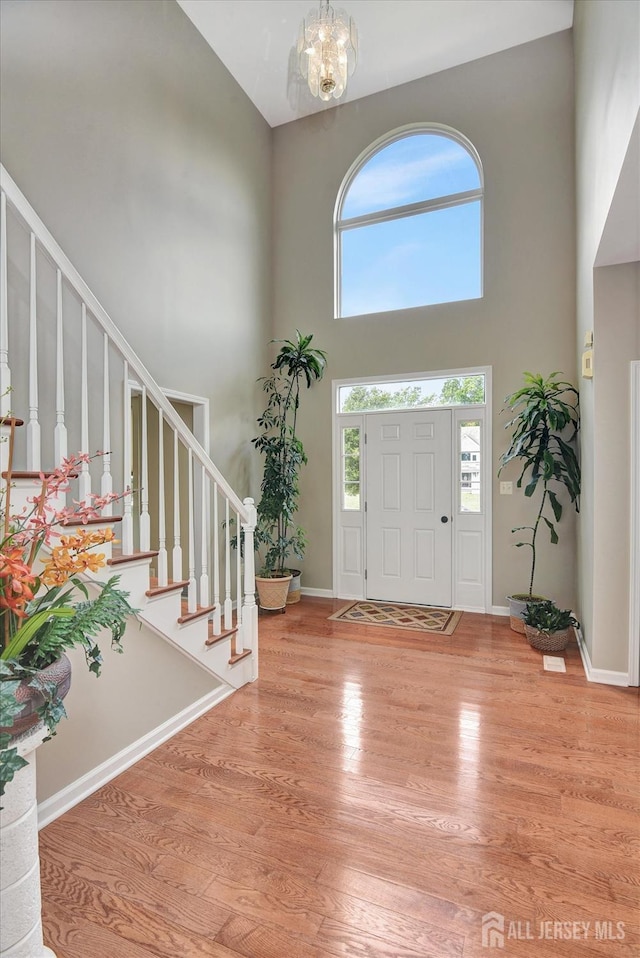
(516, 107)
(607, 80)
(152, 170)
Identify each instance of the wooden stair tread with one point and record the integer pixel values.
(133, 557)
(171, 586)
(225, 634)
(191, 616)
(239, 655)
(96, 521)
(34, 474)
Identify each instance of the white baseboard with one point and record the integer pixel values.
(318, 593)
(499, 610)
(601, 676)
(74, 793)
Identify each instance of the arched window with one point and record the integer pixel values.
(408, 223)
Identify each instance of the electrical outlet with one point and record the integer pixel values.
(506, 488)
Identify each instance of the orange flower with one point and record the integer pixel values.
(72, 555)
(16, 582)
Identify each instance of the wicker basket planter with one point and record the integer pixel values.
(547, 642)
(272, 592)
(295, 592)
(517, 607)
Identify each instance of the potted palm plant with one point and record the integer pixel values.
(544, 431)
(279, 537)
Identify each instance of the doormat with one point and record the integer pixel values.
(393, 615)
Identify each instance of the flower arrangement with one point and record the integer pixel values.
(45, 608)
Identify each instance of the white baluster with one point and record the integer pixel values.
(192, 594)
(60, 432)
(163, 573)
(250, 613)
(85, 475)
(33, 426)
(216, 617)
(205, 526)
(228, 603)
(106, 483)
(145, 520)
(5, 372)
(176, 563)
(127, 517)
(238, 572)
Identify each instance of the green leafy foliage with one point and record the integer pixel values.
(547, 617)
(11, 762)
(45, 635)
(362, 398)
(297, 364)
(459, 392)
(544, 432)
(455, 392)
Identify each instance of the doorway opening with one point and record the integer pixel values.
(412, 488)
(145, 462)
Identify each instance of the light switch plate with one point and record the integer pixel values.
(506, 488)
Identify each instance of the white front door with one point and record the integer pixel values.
(409, 511)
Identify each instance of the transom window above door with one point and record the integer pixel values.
(408, 224)
(450, 391)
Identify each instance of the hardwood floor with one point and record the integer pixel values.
(373, 795)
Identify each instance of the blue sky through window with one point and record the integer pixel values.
(418, 260)
(415, 168)
(432, 256)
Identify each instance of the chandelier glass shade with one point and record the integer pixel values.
(327, 50)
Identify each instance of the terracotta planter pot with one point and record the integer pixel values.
(58, 673)
(272, 592)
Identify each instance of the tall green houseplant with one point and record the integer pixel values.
(544, 431)
(298, 365)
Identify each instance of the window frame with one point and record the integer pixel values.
(340, 225)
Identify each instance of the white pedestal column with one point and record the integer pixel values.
(20, 910)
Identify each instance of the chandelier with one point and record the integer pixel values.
(327, 50)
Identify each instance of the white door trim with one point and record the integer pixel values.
(201, 421)
(338, 419)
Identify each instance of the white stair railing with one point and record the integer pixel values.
(74, 326)
(5, 372)
(33, 426)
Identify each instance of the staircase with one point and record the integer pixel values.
(66, 368)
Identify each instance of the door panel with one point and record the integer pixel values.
(409, 487)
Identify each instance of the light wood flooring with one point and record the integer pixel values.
(373, 795)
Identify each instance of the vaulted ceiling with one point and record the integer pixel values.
(400, 40)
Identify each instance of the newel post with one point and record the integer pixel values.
(20, 919)
(250, 612)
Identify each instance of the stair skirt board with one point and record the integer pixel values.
(72, 794)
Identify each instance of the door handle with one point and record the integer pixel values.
(444, 518)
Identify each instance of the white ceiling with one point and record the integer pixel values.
(400, 40)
